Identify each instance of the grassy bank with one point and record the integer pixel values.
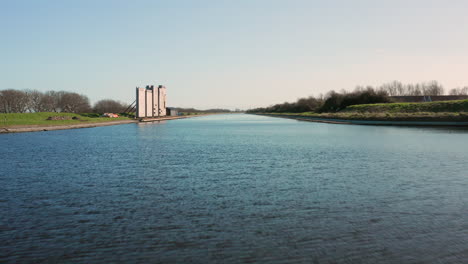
(28, 119)
(447, 111)
(458, 106)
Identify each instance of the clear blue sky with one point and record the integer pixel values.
(239, 53)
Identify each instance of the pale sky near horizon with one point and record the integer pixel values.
(230, 54)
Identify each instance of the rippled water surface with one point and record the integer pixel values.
(235, 189)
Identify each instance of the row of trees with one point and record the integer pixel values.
(193, 110)
(22, 101)
(335, 101)
(459, 91)
(432, 88)
(396, 88)
(331, 102)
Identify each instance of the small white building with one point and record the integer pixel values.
(171, 111)
(151, 101)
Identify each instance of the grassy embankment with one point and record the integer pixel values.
(430, 111)
(40, 119)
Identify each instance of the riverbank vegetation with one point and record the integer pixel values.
(334, 101)
(444, 111)
(455, 106)
(416, 116)
(370, 103)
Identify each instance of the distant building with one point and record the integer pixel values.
(150, 101)
(427, 98)
(170, 111)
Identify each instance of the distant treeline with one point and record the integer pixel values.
(335, 101)
(193, 110)
(23, 101)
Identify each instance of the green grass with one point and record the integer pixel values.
(433, 107)
(18, 119)
(430, 111)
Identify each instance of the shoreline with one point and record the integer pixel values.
(38, 128)
(370, 122)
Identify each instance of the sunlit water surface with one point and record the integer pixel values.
(235, 189)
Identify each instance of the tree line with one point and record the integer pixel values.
(24, 101)
(193, 110)
(335, 101)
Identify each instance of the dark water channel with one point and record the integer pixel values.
(235, 189)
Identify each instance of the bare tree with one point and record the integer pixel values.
(394, 88)
(3, 104)
(433, 88)
(417, 90)
(73, 103)
(459, 91)
(463, 91)
(13, 101)
(49, 102)
(109, 106)
(34, 100)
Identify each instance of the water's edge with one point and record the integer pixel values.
(367, 122)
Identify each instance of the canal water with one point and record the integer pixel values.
(235, 189)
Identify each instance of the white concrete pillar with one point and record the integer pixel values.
(162, 100)
(140, 102)
(149, 103)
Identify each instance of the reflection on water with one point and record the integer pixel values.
(235, 188)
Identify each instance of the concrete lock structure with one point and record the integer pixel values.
(151, 101)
